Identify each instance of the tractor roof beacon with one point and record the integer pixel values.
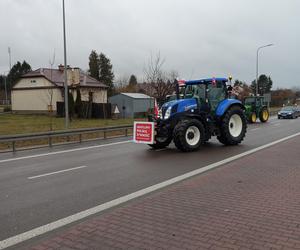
(205, 110)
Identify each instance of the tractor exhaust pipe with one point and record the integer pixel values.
(177, 89)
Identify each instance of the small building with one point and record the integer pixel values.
(40, 90)
(132, 105)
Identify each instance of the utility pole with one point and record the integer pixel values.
(6, 101)
(65, 70)
(9, 82)
(9, 56)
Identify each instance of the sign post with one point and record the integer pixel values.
(143, 132)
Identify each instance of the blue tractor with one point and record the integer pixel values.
(203, 109)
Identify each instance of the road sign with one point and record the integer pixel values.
(143, 132)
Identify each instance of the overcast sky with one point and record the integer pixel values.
(198, 38)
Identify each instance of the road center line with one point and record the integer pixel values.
(56, 172)
(64, 151)
(94, 210)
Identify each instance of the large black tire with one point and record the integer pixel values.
(189, 135)
(161, 143)
(264, 115)
(233, 127)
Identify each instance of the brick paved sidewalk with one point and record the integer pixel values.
(251, 203)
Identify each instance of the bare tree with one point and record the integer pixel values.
(159, 83)
(121, 83)
(50, 91)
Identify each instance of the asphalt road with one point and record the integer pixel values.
(36, 191)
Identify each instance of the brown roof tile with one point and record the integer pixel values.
(58, 78)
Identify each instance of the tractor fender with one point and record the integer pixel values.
(264, 106)
(226, 104)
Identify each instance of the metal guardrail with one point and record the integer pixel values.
(67, 133)
(274, 112)
(62, 133)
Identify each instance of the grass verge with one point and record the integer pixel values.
(11, 124)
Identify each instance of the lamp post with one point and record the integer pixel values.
(65, 70)
(257, 53)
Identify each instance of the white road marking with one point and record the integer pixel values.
(273, 117)
(83, 214)
(64, 151)
(161, 149)
(254, 129)
(56, 172)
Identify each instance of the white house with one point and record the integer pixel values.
(39, 90)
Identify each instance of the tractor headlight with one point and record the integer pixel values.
(168, 113)
(159, 113)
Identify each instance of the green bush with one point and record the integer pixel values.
(78, 104)
(71, 105)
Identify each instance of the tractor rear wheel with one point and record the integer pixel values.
(233, 127)
(264, 115)
(161, 142)
(252, 117)
(189, 135)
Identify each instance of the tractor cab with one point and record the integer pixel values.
(207, 93)
(255, 101)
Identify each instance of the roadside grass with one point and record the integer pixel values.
(22, 124)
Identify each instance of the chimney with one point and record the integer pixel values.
(73, 75)
(76, 76)
(61, 67)
(69, 76)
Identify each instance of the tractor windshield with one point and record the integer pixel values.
(216, 93)
(195, 91)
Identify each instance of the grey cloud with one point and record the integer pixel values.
(198, 38)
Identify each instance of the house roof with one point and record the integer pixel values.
(137, 95)
(57, 77)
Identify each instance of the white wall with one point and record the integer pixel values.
(33, 82)
(39, 99)
(34, 99)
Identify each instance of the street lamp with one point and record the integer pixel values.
(268, 45)
(65, 70)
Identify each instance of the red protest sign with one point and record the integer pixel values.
(143, 132)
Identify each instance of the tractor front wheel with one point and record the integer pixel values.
(233, 127)
(264, 115)
(161, 142)
(189, 135)
(252, 118)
